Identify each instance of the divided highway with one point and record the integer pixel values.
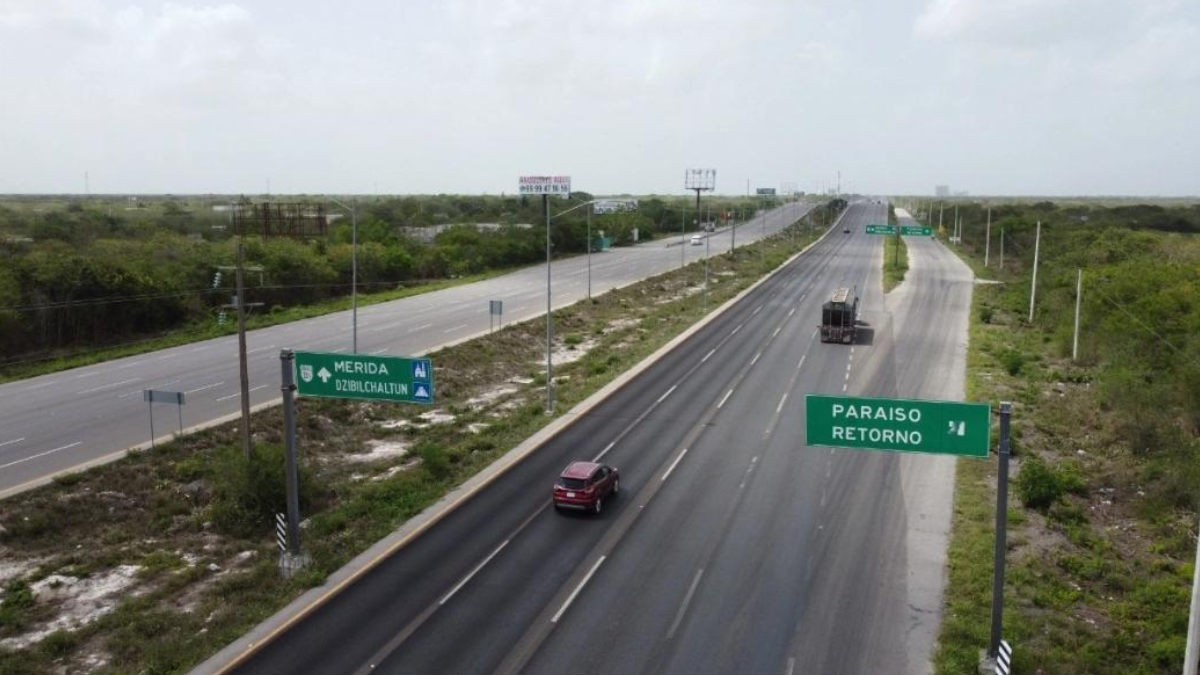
(732, 546)
(65, 420)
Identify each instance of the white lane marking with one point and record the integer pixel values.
(207, 386)
(724, 398)
(198, 349)
(421, 327)
(709, 354)
(664, 396)
(473, 573)
(379, 351)
(604, 451)
(781, 402)
(43, 385)
(687, 599)
(801, 363)
(776, 331)
(41, 454)
(735, 330)
(674, 464)
(755, 359)
(481, 310)
(164, 357)
(791, 312)
(252, 390)
(814, 335)
(15, 440)
(571, 598)
(339, 350)
(451, 330)
(791, 665)
(91, 374)
(130, 365)
(756, 310)
(108, 386)
(261, 349)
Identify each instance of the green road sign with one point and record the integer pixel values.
(940, 427)
(381, 378)
(881, 229)
(916, 231)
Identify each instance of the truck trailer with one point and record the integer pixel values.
(839, 317)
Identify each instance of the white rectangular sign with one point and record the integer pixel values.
(614, 205)
(546, 185)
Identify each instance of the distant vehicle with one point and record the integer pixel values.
(697, 240)
(845, 230)
(585, 485)
(839, 317)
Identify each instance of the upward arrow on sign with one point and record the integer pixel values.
(324, 375)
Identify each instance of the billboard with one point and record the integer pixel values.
(766, 191)
(546, 185)
(614, 206)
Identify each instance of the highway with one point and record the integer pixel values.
(92, 414)
(732, 547)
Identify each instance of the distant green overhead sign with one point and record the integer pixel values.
(916, 231)
(881, 229)
(904, 425)
(381, 378)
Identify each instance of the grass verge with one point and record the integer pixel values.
(1098, 574)
(895, 262)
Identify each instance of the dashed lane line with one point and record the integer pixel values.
(41, 454)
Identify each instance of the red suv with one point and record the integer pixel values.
(585, 486)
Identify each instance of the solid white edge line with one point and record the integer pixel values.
(781, 402)
(708, 355)
(791, 665)
(664, 396)
(41, 454)
(724, 398)
(559, 613)
(673, 464)
(15, 440)
(473, 573)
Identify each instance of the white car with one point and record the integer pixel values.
(697, 240)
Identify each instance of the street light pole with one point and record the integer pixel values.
(591, 207)
(549, 316)
(353, 272)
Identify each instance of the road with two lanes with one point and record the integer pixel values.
(733, 547)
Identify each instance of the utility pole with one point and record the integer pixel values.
(243, 372)
(1033, 286)
(987, 246)
(1192, 652)
(591, 207)
(941, 214)
(549, 315)
(1079, 294)
(1002, 249)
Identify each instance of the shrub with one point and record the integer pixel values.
(434, 460)
(248, 494)
(986, 313)
(1038, 485)
(1012, 360)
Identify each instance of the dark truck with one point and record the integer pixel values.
(839, 317)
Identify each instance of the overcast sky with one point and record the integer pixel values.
(461, 96)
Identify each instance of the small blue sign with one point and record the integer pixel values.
(420, 370)
(421, 392)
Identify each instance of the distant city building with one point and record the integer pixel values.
(941, 190)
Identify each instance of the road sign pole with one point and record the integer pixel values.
(987, 246)
(1191, 653)
(1001, 533)
(1037, 242)
(288, 388)
(150, 402)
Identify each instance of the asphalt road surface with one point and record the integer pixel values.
(70, 419)
(732, 547)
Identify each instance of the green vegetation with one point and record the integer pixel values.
(90, 280)
(1107, 458)
(895, 262)
(196, 516)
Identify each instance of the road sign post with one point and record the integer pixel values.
(152, 396)
(291, 559)
(1001, 532)
(899, 425)
(378, 378)
(496, 309)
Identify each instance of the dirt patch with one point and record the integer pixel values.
(77, 601)
(380, 450)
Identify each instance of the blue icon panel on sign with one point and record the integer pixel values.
(420, 370)
(421, 392)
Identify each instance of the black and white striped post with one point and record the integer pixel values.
(995, 644)
(1004, 659)
(281, 532)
